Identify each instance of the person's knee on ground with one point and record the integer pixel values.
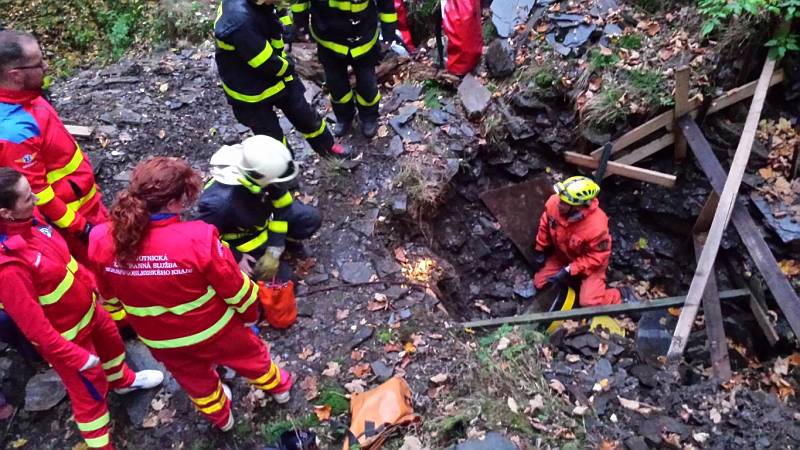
(304, 220)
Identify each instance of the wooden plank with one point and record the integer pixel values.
(715, 330)
(727, 200)
(79, 131)
(646, 150)
(742, 92)
(579, 313)
(681, 97)
(756, 305)
(703, 222)
(776, 281)
(615, 168)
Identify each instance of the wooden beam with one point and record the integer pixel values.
(703, 222)
(715, 330)
(647, 150)
(776, 281)
(579, 313)
(681, 107)
(79, 131)
(756, 306)
(727, 201)
(615, 168)
(730, 97)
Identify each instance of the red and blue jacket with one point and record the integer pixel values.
(34, 141)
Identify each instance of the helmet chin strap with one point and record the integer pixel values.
(250, 185)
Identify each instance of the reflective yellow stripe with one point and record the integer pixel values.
(388, 18)
(98, 442)
(178, 310)
(284, 201)
(300, 7)
(279, 226)
(45, 196)
(63, 286)
(314, 134)
(94, 425)
(193, 339)
(208, 398)
(346, 98)
(286, 20)
(254, 243)
(72, 333)
(348, 6)
(111, 301)
(363, 102)
(118, 315)
(65, 220)
(284, 66)
(261, 381)
(363, 49)
(250, 300)
(116, 375)
(277, 44)
(225, 46)
(219, 14)
(72, 166)
(260, 58)
(213, 408)
(114, 362)
(337, 48)
(267, 93)
(76, 205)
(246, 285)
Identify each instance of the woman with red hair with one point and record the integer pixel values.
(51, 299)
(183, 291)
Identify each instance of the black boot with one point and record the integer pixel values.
(369, 128)
(341, 128)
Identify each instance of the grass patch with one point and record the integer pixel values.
(272, 431)
(423, 183)
(597, 60)
(603, 110)
(385, 336)
(651, 87)
(631, 41)
(334, 396)
(433, 93)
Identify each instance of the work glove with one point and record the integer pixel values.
(539, 258)
(93, 361)
(267, 266)
(560, 276)
(246, 264)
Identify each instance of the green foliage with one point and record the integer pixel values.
(336, 397)
(183, 19)
(597, 60)
(783, 42)
(631, 41)
(651, 86)
(489, 31)
(272, 431)
(433, 90)
(385, 336)
(603, 110)
(545, 79)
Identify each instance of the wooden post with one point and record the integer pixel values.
(681, 107)
(726, 203)
(715, 330)
(703, 222)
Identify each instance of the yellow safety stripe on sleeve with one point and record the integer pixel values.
(284, 66)
(388, 17)
(110, 364)
(77, 204)
(63, 286)
(316, 133)
(65, 220)
(225, 46)
(284, 201)
(219, 14)
(194, 338)
(364, 48)
(348, 6)
(279, 226)
(286, 20)
(260, 58)
(277, 44)
(72, 166)
(178, 310)
(246, 285)
(364, 102)
(214, 407)
(250, 300)
(98, 442)
(72, 333)
(300, 7)
(267, 93)
(254, 243)
(45, 196)
(272, 374)
(116, 375)
(346, 98)
(118, 315)
(208, 398)
(111, 301)
(94, 425)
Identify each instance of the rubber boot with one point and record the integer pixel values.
(369, 128)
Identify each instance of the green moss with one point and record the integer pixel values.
(651, 86)
(272, 431)
(631, 41)
(385, 336)
(598, 60)
(335, 397)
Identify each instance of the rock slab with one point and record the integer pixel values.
(44, 391)
(474, 96)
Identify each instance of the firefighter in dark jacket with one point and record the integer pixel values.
(254, 214)
(257, 75)
(347, 33)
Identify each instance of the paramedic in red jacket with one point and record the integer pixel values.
(35, 142)
(183, 291)
(573, 230)
(52, 301)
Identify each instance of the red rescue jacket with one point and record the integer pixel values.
(582, 239)
(35, 142)
(48, 294)
(183, 288)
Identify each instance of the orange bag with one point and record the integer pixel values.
(280, 307)
(375, 414)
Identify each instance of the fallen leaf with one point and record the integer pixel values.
(766, 173)
(80, 446)
(165, 416)
(536, 403)
(609, 445)
(789, 267)
(392, 347)
(503, 343)
(305, 353)
(400, 254)
(672, 439)
(323, 412)
(579, 410)
(512, 405)
(715, 416)
(342, 314)
(333, 370)
(309, 385)
(665, 53)
(781, 366)
(700, 438)
(557, 386)
(641, 408)
(360, 370)
(356, 386)
(439, 378)
(409, 348)
(605, 51)
(573, 358)
(357, 355)
(19, 443)
(150, 421)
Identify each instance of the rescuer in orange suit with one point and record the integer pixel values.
(573, 231)
(182, 289)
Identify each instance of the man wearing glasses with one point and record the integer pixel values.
(34, 141)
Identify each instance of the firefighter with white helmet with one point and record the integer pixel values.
(248, 203)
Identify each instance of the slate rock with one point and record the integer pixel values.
(387, 266)
(396, 292)
(636, 443)
(406, 113)
(316, 278)
(645, 374)
(382, 371)
(400, 203)
(438, 117)
(602, 369)
(44, 391)
(137, 403)
(474, 96)
(528, 99)
(361, 336)
(396, 147)
(305, 308)
(406, 132)
(499, 59)
(525, 289)
(506, 14)
(357, 272)
(407, 92)
(492, 441)
(366, 225)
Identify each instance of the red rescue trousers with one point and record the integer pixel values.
(101, 338)
(234, 346)
(593, 291)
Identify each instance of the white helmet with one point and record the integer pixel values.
(261, 159)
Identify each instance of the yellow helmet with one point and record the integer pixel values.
(577, 191)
